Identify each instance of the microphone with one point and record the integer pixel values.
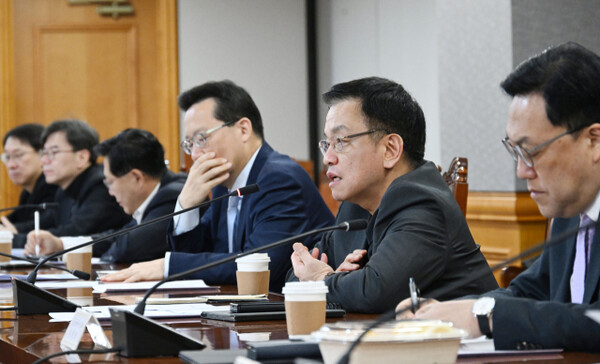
(142, 337)
(77, 273)
(391, 314)
(39, 206)
(30, 299)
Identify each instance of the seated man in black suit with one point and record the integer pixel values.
(22, 160)
(374, 147)
(553, 133)
(136, 175)
(69, 161)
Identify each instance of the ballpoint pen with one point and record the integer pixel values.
(414, 294)
(36, 227)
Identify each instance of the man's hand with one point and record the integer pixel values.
(306, 265)
(406, 306)
(152, 270)
(206, 173)
(351, 262)
(458, 312)
(7, 225)
(47, 242)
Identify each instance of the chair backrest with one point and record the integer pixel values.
(456, 178)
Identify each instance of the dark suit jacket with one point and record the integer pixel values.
(288, 203)
(85, 208)
(149, 242)
(22, 219)
(418, 231)
(535, 311)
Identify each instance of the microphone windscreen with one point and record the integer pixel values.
(49, 205)
(81, 274)
(356, 224)
(247, 190)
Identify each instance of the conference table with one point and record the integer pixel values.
(26, 338)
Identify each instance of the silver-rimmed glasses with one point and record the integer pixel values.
(51, 153)
(339, 141)
(199, 139)
(526, 155)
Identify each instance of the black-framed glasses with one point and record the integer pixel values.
(199, 139)
(339, 141)
(526, 155)
(16, 156)
(51, 153)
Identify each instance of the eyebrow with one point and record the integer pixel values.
(337, 129)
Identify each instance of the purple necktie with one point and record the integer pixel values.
(582, 258)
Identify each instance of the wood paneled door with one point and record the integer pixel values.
(62, 60)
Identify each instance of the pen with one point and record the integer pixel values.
(36, 226)
(414, 294)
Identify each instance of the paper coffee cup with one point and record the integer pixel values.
(253, 274)
(80, 259)
(305, 304)
(6, 238)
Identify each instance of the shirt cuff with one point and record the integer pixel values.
(186, 221)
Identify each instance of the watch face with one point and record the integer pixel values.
(483, 306)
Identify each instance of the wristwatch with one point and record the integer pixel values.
(482, 309)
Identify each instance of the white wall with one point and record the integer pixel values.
(261, 46)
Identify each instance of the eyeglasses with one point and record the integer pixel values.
(339, 141)
(527, 155)
(199, 139)
(51, 153)
(17, 156)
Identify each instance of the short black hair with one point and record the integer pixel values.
(134, 148)
(567, 76)
(232, 102)
(27, 133)
(386, 105)
(79, 134)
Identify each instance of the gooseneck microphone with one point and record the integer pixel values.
(138, 336)
(38, 206)
(77, 273)
(546, 244)
(346, 225)
(30, 299)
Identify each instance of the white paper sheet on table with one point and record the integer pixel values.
(482, 346)
(144, 286)
(153, 311)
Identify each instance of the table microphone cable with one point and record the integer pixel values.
(81, 351)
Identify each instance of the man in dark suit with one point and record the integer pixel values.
(69, 161)
(23, 164)
(136, 175)
(374, 147)
(553, 133)
(224, 135)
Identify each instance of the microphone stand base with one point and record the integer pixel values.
(32, 300)
(139, 336)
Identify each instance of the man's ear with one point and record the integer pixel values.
(593, 133)
(245, 126)
(83, 158)
(139, 175)
(394, 147)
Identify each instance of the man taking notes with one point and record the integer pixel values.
(136, 175)
(553, 133)
(373, 148)
(224, 135)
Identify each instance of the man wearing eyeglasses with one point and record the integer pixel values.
(69, 162)
(224, 136)
(135, 173)
(24, 167)
(553, 134)
(373, 149)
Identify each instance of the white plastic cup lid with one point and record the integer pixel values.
(6, 235)
(258, 262)
(302, 288)
(254, 258)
